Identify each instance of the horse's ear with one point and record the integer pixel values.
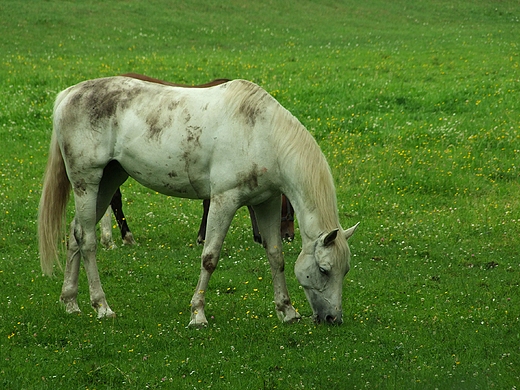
(350, 231)
(329, 238)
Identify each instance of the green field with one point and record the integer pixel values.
(416, 105)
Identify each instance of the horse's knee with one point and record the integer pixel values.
(275, 256)
(209, 262)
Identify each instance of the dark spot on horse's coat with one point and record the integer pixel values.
(173, 105)
(250, 112)
(131, 94)
(194, 133)
(250, 179)
(101, 101)
(208, 263)
(252, 106)
(80, 187)
(153, 126)
(67, 151)
(173, 174)
(75, 99)
(173, 188)
(101, 98)
(176, 103)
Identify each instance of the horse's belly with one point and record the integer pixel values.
(169, 180)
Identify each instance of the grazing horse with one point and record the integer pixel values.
(287, 218)
(232, 143)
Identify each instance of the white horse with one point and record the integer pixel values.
(232, 143)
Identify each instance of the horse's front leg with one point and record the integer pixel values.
(219, 218)
(268, 217)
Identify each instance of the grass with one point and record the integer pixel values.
(415, 105)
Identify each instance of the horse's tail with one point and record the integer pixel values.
(53, 204)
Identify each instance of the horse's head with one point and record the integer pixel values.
(321, 270)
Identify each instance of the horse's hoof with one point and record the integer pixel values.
(108, 243)
(129, 239)
(289, 317)
(104, 311)
(292, 320)
(198, 325)
(72, 307)
(111, 314)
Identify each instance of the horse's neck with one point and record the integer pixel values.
(310, 218)
(306, 177)
(315, 208)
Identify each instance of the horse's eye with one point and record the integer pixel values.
(323, 271)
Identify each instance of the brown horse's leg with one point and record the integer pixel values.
(117, 207)
(201, 236)
(287, 225)
(254, 224)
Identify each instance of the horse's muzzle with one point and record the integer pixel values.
(328, 319)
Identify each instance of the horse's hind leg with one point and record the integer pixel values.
(69, 291)
(83, 241)
(91, 202)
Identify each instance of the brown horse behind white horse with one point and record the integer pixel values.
(232, 143)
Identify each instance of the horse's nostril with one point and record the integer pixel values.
(330, 319)
(334, 320)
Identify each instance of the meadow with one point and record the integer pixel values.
(416, 107)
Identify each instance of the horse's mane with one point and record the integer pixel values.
(299, 153)
(298, 147)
